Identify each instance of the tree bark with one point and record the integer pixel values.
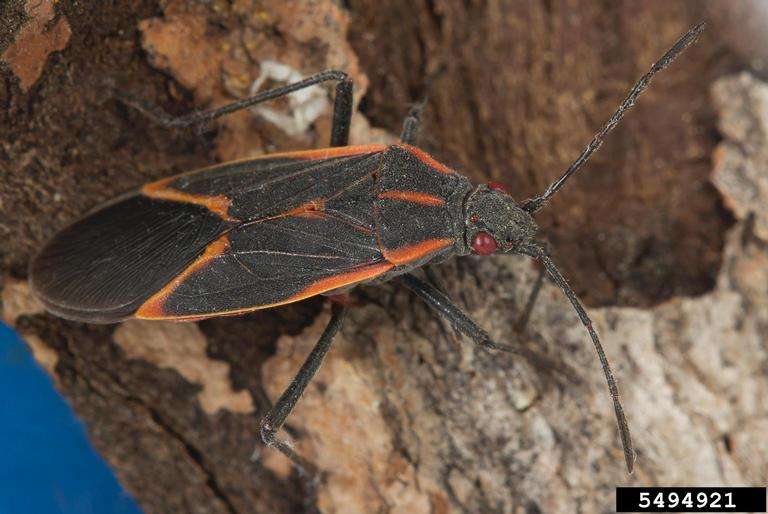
(406, 416)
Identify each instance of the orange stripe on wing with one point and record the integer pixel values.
(153, 308)
(426, 158)
(218, 204)
(312, 206)
(321, 286)
(410, 253)
(342, 279)
(326, 153)
(322, 153)
(413, 197)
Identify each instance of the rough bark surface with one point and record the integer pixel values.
(405, 416)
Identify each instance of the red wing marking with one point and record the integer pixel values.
(368, 272)
(153, 307)
(413, 252)
(426, 158)
(309, 207)
(340, 280)
(319, 215)
(413, 197)
(218, 204)
(326, 153)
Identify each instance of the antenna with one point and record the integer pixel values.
(534, 204)
(540, 254)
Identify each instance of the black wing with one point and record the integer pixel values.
(234, 237)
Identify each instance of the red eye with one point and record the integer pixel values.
(484, 244)
(495, 186)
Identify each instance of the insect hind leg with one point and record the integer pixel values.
(273, 421)
(342, 113)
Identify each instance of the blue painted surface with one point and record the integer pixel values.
(47, 465)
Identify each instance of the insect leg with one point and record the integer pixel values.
(342, 113)
(435, 281)
(275, 418)
(444, 306)
(522, 322)
(433, 278)
(412, 124)
(159, 116)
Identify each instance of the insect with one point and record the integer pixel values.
(259, 233)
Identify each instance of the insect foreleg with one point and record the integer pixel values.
(444, 306)
(412, 124)
(522, 322)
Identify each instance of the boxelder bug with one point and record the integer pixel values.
(263, 232)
